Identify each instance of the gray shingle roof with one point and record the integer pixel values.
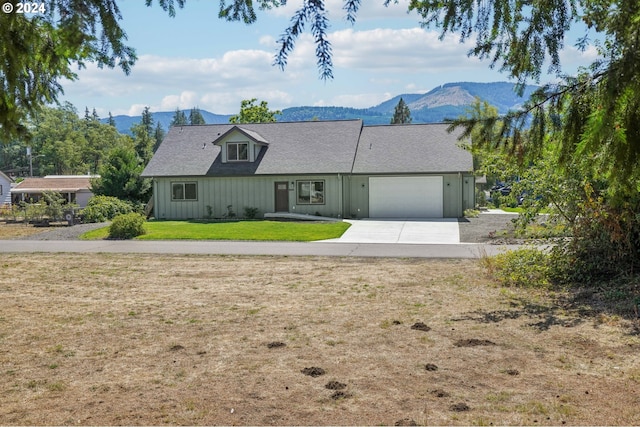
(251, 134)
(322, 147)
(412, 148)
(293, 148)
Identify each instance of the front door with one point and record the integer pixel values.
(282, 196)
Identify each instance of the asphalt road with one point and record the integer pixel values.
(461, 250)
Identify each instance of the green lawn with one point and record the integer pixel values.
(520, 209)
(237, 230)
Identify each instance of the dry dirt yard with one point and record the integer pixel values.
(17, 230)
(136, 339)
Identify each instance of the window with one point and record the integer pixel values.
(184, 191)
(311, 192)
(0, 189)
(237, 151)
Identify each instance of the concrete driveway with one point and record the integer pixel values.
(409, 231)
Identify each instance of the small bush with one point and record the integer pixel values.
(481, 198)
(105, 208)
(127, 226)
(526, 267)
(54, 205)
(250, 213)
(34, 212)
(471, 213)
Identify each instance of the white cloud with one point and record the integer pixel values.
(370, 66)
(166, 83)
(406, 51)
(184, 100)
(134, 110)
(571, 57)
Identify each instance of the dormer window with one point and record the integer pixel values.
(237, 151)
(238, 145)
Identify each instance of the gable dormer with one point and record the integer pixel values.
(240, 145)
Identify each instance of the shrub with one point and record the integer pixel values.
(481, 198)
(525, 267)
(605, 242)
(471, 213)
(34, 212)
(105, 208)
(250, 213)
(127, 226)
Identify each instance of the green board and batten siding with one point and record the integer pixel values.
(458, 194)
(242, 192)
(367, 171)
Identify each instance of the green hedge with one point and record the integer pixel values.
(105, 208)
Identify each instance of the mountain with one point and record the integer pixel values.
(124, 123)
(444, 102)
(457, 96)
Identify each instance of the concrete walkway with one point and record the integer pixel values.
(409, 231)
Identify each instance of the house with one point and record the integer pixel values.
(336, 169)
(5, 190)
(74, 188)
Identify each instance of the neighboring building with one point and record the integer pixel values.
(336, 169)
(5, 190)
(74, 188)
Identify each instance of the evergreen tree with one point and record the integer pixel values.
(401, 115)
(179, 118)
(111, 121)
(195, 117)
(40, 51)
(143, 142)
(158, 136)
(147, 120)
(144, 136)
(120, 176)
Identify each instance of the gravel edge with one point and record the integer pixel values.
(64, 232)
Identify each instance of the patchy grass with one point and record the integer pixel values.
(509, 209)
(235, 230)
(12, 230)
(105, 339)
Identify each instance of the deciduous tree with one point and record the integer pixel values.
(252, 113)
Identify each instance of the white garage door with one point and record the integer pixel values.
(405, 197)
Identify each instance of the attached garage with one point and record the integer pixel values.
(406, 197)
(338, 169)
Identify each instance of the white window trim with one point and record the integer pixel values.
(184, 191)
(237, 150)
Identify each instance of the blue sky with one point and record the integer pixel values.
(196, 59)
